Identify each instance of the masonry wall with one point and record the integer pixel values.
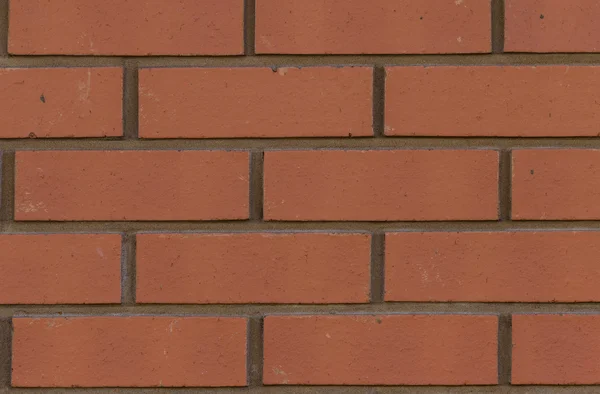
(299, 196)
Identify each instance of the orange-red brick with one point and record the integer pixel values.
(129, 352)
(381, 350)
(61, 102)
(548, 266)
(552, 26)
(506, 101)
(558, 349)
(131, 185)
(555, 184)
(253, 268)
(256, 102)
(60, 268)
(371, 27)
(381, 185)
(126, 27)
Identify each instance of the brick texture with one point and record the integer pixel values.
(256, 102)
(126, 27)
(61, 102)
(552, 26)
(131, 185)
(129, 351)
(60, 268)
(299, 196)
(381, 349)
(507, 101)
(368, 185)
(377, 26)
(553, 184)
(253, 268)
(556, 349)
(551, 266)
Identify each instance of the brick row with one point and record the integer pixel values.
(394, 349)
(259, 102)
(187, 27)
(302, 267)
(315, 185)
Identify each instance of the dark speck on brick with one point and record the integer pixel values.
(43, 99)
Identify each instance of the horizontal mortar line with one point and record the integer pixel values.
(302, 60)
(496, 143)
(334, 389)
(254, 226)
(244, 310)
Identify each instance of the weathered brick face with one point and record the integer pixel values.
(300, 196)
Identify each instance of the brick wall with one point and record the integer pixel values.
(300, 196)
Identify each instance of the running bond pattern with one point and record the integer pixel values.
(299, 196)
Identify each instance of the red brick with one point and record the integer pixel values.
(253, 268)
(556, 184)
(256, 102)
(556, 349)
(129, 351)
(507, 101)
(60, 268)
(131, 185)
(126, 27)
(550, 266)
(381, 350)
(381, 185)
(376, 26)
(61, 102)
(552, 26)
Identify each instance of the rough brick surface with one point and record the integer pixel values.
(129, 351)
(126, 27)
(380, 349)
(381, 185)
(60, 268)
(549, 266)
(377, 26)
(508, 101)
(61, 102)
(556, 349)
(253, 268)
(131, 185)
(552, 26)
(256, 102)
(203, 193)
(555, 184)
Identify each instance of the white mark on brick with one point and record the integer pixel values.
(29, 207)
(172, 325)
(266, 41)
(278, 371)
(53, 323)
